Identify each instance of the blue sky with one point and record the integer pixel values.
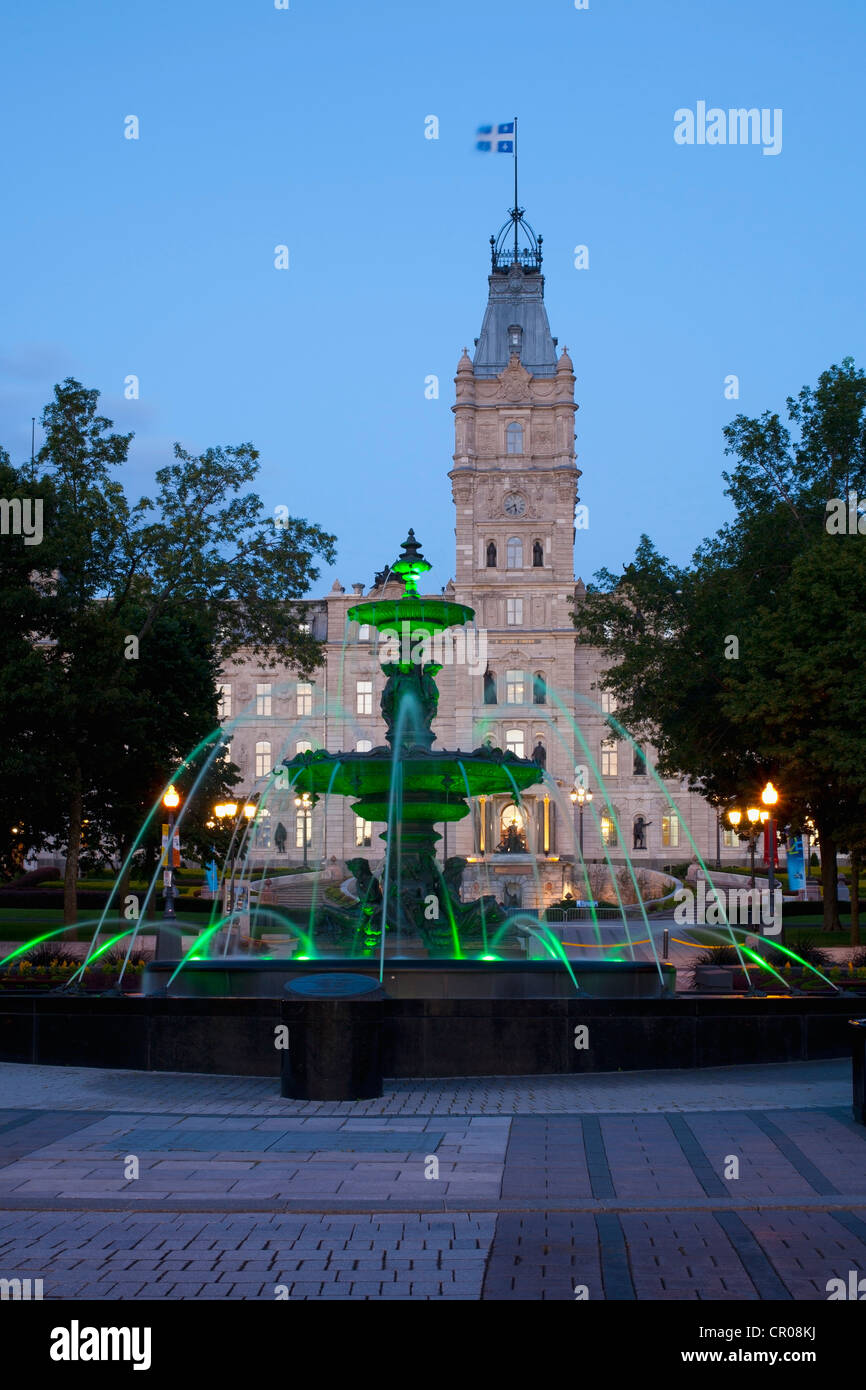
(305, 127)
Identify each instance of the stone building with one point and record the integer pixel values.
(522, 681)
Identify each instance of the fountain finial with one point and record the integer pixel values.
(410, 564)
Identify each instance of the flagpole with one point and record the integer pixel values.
(515, 188)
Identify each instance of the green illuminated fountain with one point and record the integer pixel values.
(407, 784)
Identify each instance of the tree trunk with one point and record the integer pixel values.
(829, 874)
(855, 897)
(73, 850)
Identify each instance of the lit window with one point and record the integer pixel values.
(263, 699)
(263, 758)
(514, 687)
(730, 839)
(539, 689)
(514, 439)
(364, 697)
(607, 702)
(303, 828)
(608, 830)
(514, 612)
(514, 742)
(514, 553)
(364, 632)
(305, 698)
(363, 833)
(303, 746)
(224, 700)
(670, 831)
(609, 757)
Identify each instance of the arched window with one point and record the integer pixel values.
(263, 758)
(514, 553)
(539, 689)
(363, 746)
(537, 555)
(514, 438)
(514, 742)
(608, 829)
(489, 687)
(512, 825)
(304, 746)
(491, 555)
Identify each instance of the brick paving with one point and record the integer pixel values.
(736, 1183)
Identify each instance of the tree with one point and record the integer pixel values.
(744, 664)
(122, 615)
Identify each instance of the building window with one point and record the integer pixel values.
(364, 632)
(514, 687)
(607, 702)
(670, 831)
(305, 698)
(512, 825)
(263, 758)
(514, 553)
(537, 555)
(303, 746)
(514, 612)
(608, 829)
(303, 828)
(489, 687)
(305, 628)
(539, 689)
(363, 746)
(609, 757)
(263, 699)
(514, 438)
(364, 697)
(515, 333)
(224, 700)
(514, 742)
(491, 555)
(638, 764)
(363, 833)
(730, 839)
(262, 830)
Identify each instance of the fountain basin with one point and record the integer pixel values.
(243, 977)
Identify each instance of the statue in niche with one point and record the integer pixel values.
(640, 828)
(537, 555)
(491, 555)
(280, 836)
(489, 687)
(539, 754)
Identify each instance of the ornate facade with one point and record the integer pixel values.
(522, 680)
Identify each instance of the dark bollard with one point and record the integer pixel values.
(858, 1057)
(335, 1038)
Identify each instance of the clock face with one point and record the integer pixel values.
(515, 505)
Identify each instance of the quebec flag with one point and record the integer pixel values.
(496, 139)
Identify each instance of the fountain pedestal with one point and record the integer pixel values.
(335, 1038)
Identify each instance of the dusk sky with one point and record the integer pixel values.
(305, 127)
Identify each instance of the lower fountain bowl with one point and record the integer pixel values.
(243, 977)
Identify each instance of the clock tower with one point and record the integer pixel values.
(514, 484)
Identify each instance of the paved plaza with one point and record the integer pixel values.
(728, 1183)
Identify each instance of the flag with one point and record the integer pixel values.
(496, 139)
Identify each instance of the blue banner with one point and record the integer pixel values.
(796, 864)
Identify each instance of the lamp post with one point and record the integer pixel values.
(166, 932)
(770, 796)
(304, 805)
(579, 797)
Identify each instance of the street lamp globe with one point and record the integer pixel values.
(769, 795)
(171, 800)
